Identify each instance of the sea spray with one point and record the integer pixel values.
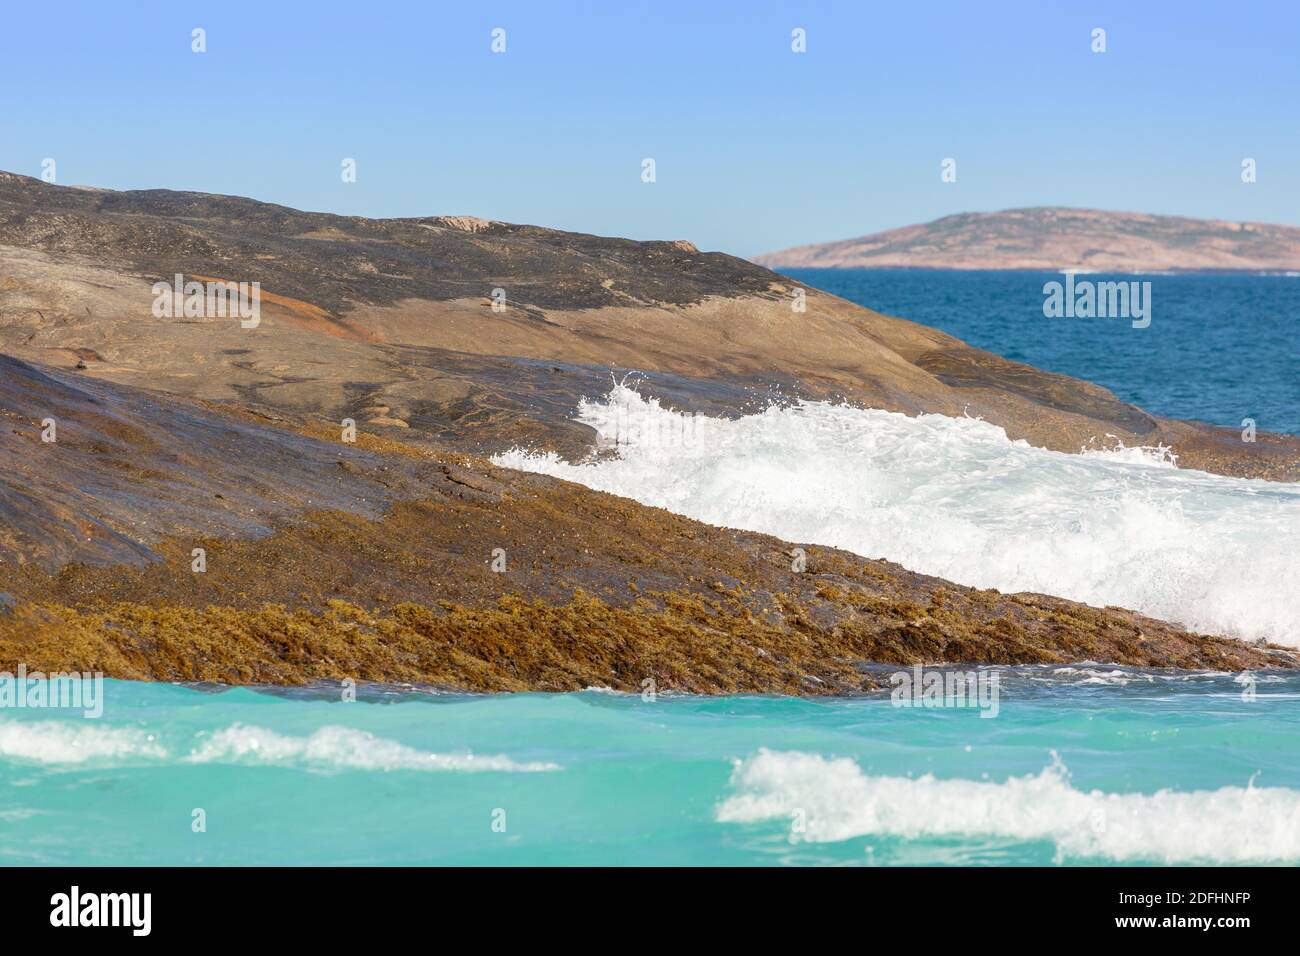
(954, 497)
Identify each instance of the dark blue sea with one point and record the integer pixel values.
(1219, 349)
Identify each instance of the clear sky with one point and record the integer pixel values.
(756, 147)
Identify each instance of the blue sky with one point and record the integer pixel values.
(756, 147)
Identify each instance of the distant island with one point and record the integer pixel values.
(1052, 238)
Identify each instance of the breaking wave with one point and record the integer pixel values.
(55, 742)
(329, 748)
(954, 497)
(340, 748)
(836, 801)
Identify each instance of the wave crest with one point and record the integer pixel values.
(56, 742)
(837, 802)
(341, 748)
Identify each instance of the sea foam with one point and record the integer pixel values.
(954, 497)
(60, 742)
(835, 801)
(341, 748)
(329, 748)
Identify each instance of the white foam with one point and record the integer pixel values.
(838, 802)
(954, 497)
(1106, 678)
(55, 742)
(340, 748)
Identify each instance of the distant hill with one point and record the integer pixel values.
(1056, 238)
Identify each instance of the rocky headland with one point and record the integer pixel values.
(404, 555)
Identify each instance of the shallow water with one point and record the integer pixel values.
(1080, 765)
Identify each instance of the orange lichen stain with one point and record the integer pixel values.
(304, 315)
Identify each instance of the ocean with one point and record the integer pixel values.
(1080, 766)
(1219, 348)
(1073, 765)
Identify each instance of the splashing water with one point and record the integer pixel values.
(833, 800)
(954, 497)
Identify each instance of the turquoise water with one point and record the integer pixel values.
(1085, 765)
(1220, 348)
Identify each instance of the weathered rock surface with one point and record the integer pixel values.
(327, 559)
(391, 323)
(374, 560)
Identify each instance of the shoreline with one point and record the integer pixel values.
(636, 594)
(310, 498)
